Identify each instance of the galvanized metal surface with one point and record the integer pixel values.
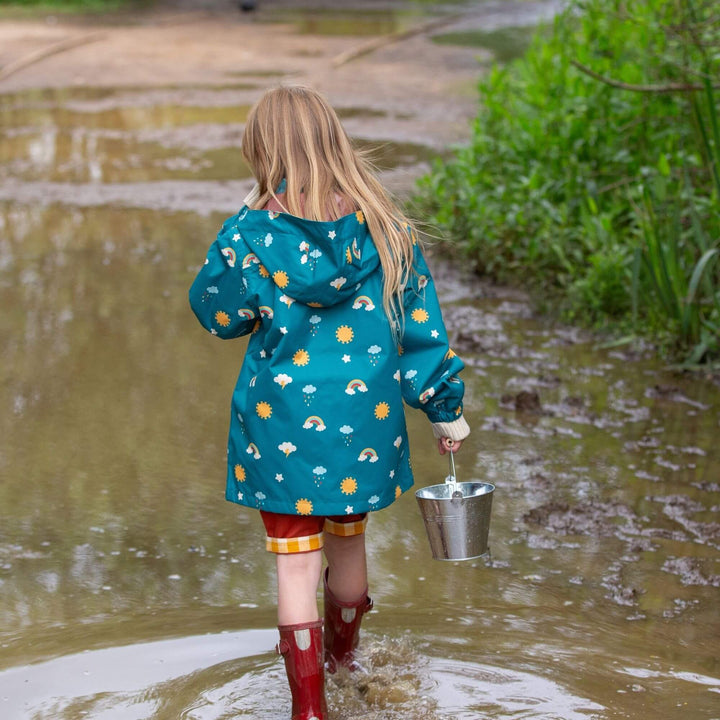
(457, 518)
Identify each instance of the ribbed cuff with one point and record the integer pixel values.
(455, 430)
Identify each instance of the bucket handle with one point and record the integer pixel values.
(451, 479)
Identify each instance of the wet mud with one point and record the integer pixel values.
(641, 470)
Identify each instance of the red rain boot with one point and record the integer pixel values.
(342, 628)
(301, 647)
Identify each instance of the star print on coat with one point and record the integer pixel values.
(317, 423)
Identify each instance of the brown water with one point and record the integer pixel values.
(129, 589)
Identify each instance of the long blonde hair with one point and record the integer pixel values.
(293, 133)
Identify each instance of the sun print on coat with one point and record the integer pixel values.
(263, 410)
(303, 507)
(222, 318)
(348, 486)
(281, 279)
(301, 358)
(344, 334)
(419, 315)
(382, 410)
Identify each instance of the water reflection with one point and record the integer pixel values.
(79, 140)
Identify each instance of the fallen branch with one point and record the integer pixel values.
(670, 88)
(54, 49)
(382, 41)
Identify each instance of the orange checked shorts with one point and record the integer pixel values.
(288, 534)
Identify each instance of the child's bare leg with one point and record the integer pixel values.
(346, 598)
(298, 575)
(347, 566)
(301, 632)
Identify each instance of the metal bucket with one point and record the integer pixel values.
(457, 517)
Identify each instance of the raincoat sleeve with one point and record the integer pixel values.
(220, 296)
(428, 367)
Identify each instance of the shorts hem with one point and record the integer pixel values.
(291, 546)
(348, 529)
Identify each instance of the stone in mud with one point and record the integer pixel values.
(469, 342)
(680, 508)
(548, 380)
(473, 331)
(617, 591)
(623, 595)
(677, 505)
(673, 394)
(641, 545)
(527, 401)
(690, 571)
(538, 481)
(538, 542)
(541, 515)
(645, 443)
(594, 518)
(707, 486)
(662, 391)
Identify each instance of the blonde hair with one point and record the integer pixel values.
(293, 133)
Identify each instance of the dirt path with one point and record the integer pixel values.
(414, 76)
(217, 44)
(411, 90)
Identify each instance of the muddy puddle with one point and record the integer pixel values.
(129, 589)
(103, 137)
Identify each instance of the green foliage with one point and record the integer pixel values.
(68, 5)
(594, 172)
(506, 44)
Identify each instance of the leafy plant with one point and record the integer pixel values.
(593, 170)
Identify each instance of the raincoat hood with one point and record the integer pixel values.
(289, 248)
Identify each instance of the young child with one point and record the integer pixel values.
(327, 276)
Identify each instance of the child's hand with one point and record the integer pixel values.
(446, 445)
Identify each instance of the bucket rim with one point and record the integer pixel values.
(426, 488)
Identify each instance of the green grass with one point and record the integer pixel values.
(20, 8)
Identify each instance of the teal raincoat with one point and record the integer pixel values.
(317, 424)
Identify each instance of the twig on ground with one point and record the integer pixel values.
(38, 55)
(383, 40)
